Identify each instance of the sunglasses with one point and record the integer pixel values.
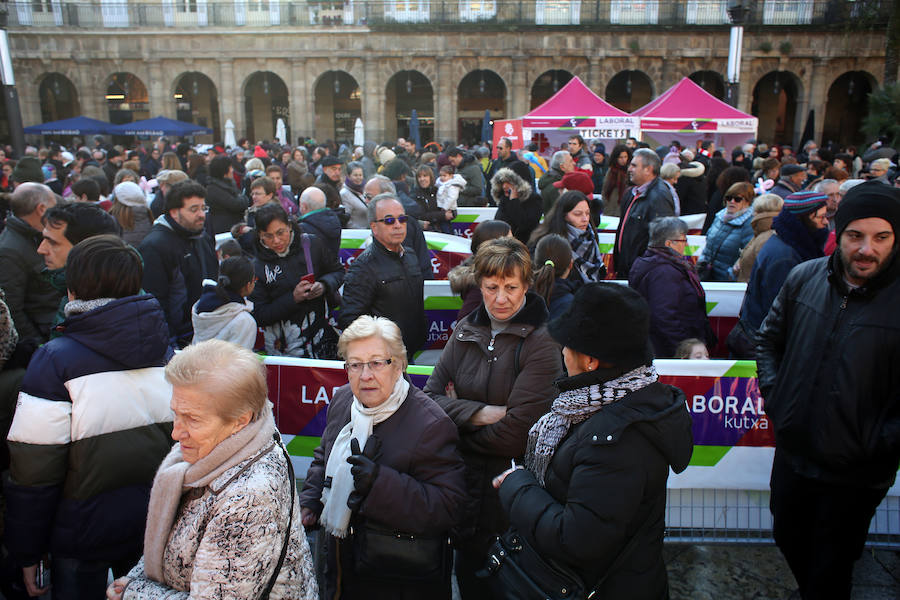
(734, 199)
(392, 220)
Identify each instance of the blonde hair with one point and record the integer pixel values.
(254, 164)
(768, 203)
(233, 376)
(367, 326)
(669, 170)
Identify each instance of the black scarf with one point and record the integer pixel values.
(793, 232)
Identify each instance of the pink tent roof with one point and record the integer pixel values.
(575, 100)
(687, 100)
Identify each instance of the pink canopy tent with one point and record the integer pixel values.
(688, 113)
(576, 109)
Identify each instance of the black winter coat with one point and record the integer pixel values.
(677, 300)
(295, 328)
(828, 361)
(326, 225)
(605, 486)
(176, 262)
(382, 283)
(633, 233)
(522, 213)
(691, 191)
(419, 488)
(226, 205)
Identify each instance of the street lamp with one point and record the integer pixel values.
(737, 10)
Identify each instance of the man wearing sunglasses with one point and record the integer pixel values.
(386, 279)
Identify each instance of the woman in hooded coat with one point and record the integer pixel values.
(517, 204)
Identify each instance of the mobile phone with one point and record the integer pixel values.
(309, 277)
(42, 575)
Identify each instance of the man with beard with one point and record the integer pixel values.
(827, 361)
(178, 255)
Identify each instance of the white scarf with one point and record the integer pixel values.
(336, 514)
(175, 476)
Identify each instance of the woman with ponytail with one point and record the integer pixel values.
(553, 259)
(222, 311)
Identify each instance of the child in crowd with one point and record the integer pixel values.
(223, 312)
(692, 349)
(449, 185)
(553, 263)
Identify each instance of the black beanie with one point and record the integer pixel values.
(522, 170)
(870, 199)
(608, 321)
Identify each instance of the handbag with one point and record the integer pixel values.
(399, 557)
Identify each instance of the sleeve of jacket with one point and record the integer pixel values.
(156, 274)
(529, 399)
(771, 339)
(423, 255)
(14, 282)
(661, 290)
(459, 410)
(39, 440)
(662, 205)
(359, 293)
(430, 497)
(329, 269)
(589, 528)
(474, 182)
(221, 199)
(268, 308)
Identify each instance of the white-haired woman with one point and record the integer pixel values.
(386, 483)
(223, 520)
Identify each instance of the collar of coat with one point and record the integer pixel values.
(534, 313)
(505, 175)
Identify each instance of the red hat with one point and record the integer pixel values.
(576, 180)
(258, 152)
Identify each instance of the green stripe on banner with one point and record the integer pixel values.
(690, 250)
(352, 243)
(419, 369)
(436, 245)
(708, 456)
(742, 368)
(710, 306)
(465, 218)
(303, 445)
(604, 226)
(606, 248)
(443, 303)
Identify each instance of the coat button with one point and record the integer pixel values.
(609, 438)
(595, 438)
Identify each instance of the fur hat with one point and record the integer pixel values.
(608, 321)
(28, 169)
(870, 199)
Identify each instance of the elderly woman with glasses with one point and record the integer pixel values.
(223, 519)
(295, 275)
(386, 483)
(730, 231)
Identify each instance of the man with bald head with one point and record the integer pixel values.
(32, 300)
(320, 220)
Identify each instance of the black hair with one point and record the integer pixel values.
(103, 266)
(218, 166)
(552, 258)
(87, 186)
(182, 191)
(235, 272)
(488, 230)
(454, 152)
(267, 213)
(555, 220)
(229, 248)
(82, 221)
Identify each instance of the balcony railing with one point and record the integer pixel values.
(375, 14)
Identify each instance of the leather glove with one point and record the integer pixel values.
(364, 470)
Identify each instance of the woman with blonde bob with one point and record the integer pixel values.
(223, 520)
(386, 481)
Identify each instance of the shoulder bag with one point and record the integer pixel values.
(292, 481)
(398, 557)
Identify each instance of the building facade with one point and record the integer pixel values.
(320, 65)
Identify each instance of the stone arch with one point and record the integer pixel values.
(629, 90)
(266, 100)
(478, 91)
(337, 103)
(407, 90)
(197, 101)
(58, 97)
(777, 114)
(846, 105)
(547, 84)
(711, 81)
(127, 99)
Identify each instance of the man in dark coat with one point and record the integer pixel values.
(226, 204)
(647, 200)
(331, 172)
(466, 165)
(827, 361)
(178, 255)
(317, 219)
(505, 157)
(671, 287)
(385, 280)
(560, 163)
(790, 181)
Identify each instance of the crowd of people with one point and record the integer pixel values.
(109, 264)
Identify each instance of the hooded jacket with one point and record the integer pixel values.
(214, 318)
(324, 224)
(606, 485)
(176, 262)
(691, 188)
(522, 213)
(92, 425)
(473, 193)
(226, 205)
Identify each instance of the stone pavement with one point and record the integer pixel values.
(759, 572)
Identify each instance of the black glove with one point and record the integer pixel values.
(363, 468)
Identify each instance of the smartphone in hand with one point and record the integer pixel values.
(310, 277)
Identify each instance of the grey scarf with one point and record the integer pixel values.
(573, 407)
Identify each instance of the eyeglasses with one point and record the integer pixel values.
(680, 240)
(258, 193)
(391, 220)
(268, 237)
(375, 365)
(197, 208)
(737, 199)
